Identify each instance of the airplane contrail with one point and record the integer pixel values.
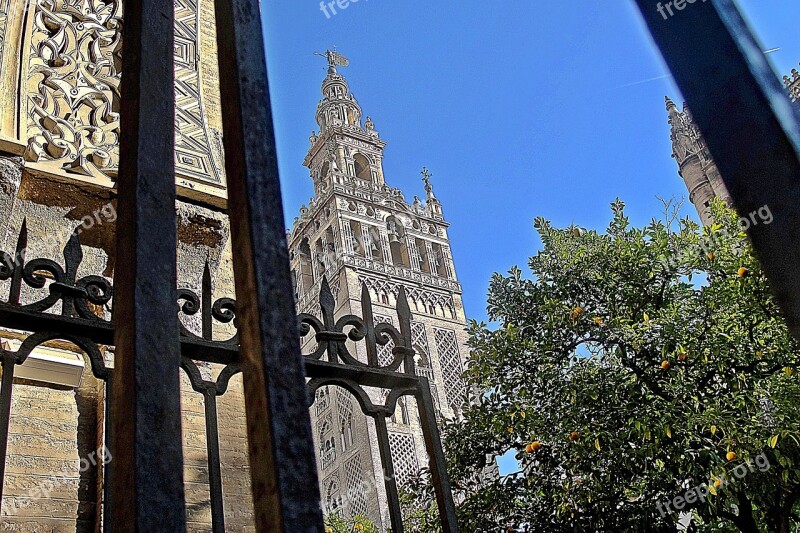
(648, 80)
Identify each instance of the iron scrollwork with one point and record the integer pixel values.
(85, 320)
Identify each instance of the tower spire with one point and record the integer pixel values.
(338, 106)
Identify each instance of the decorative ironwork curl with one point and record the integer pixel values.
(87, 346)
(368, 407)
(75, 294)
(331, 335)
(222, 310)
(203, 386)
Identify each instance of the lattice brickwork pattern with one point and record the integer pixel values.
(354, 476)
(419, 337)
(385, 352)
(344, 402)
(325, 425)
(404, 457)
(450, 359)
(422, 300)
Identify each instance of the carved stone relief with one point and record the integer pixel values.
(73, 86)
(73, 80)
(4, 4)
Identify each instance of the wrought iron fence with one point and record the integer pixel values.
(82, 320)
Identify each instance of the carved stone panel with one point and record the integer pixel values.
(4, 5)
(70, 92)
(73, 86)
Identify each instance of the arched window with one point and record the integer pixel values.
(363, 171)
(306, 268)
(332, 499)
(346, 432)
(397, 242)
(403, 409)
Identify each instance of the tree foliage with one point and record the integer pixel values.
(335, 523)
(634, 365)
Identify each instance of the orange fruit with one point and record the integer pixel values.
(598, 321)
(665, 365)
(682, 356)
(574, 436)
(710, 256)
(742, 272)
(533, 447)
(731, 456)
(576, 313)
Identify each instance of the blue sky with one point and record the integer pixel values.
(520, 109)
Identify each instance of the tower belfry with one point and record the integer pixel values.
(359, 231)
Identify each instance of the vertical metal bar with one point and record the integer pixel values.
(108, 467)
(438, 466)
(19, 262)
(206, 303)
(148, 493)
(395, 512)
(6, 386)
(214, 467)
(369, 325)
(751, 127)
(404, 320)
(282, 460)
(327, 305)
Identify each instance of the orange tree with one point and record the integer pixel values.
(335, 523)
(643, 376)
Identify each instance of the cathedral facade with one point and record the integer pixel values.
(358, 231)
(695, 164)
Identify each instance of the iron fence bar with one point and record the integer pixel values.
(214, 466)
(438, 465)
(6, 387)
(148, 491)
(368, 377)
(103, 333)
(19, 257)
(108, 466)
(751, 127)
(282, 460)
(390, 482)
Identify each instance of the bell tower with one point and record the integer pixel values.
(343, 148)
(358, 231)
(695, 164)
